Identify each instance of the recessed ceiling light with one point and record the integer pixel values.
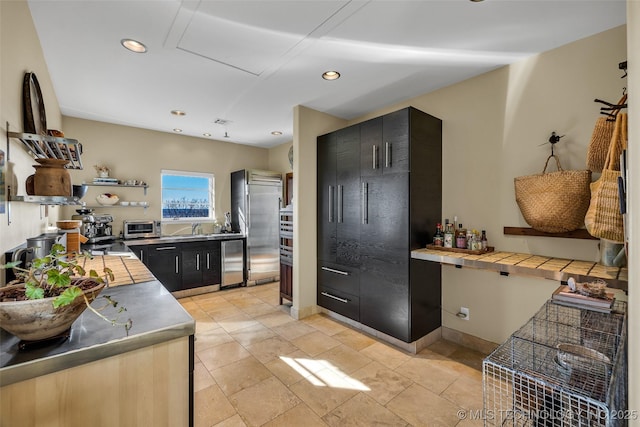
(177, 130)
(331, 75)
(178, 113)
(476, 1)
(133, 45)
(206, 134)
(276, 133)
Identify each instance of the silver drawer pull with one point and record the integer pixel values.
(335, 297)
(166, 248)
(387, 154)
(331, 270)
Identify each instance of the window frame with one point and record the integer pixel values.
(211, 192)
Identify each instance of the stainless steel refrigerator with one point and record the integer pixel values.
(256, 198)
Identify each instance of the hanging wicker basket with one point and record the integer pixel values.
(554, 202)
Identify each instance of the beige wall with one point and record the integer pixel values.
(133, 153)
(307, 125)
(279, 158)
(493, 129)
(20, 52)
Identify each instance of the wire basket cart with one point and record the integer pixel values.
(565, 367)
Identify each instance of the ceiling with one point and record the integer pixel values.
(246, 64)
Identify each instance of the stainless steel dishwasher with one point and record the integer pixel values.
(232, 254)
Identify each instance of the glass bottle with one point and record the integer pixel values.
(461, 237)
(438, 238)
(483, 240)
(449, 238)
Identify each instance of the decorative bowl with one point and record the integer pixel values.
(79, 191)
(68, 224)
(107, 199)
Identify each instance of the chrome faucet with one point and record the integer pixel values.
(196, 226)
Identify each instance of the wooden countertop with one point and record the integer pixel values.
(126, 268)
(529, 265)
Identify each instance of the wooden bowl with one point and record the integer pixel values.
(68, 224)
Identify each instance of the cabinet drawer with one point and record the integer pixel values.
(339, 302)
(339, 277)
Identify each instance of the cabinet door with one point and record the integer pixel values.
(371, 147)
(395, 137)
(348, 196)
(192, 261)
(211, 272)
(385, 255)
(141, 251)
(327, 196)
(164, 263)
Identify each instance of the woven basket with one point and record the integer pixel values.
(554, 202)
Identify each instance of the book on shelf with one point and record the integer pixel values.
(564, 295)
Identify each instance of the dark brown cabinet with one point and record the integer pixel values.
(164, 263)
(181, 266)
(339, 216)
(200, 264)
(399, 204)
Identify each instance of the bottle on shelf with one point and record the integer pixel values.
(449, 240)
(438, 238)
(483, 240)
(476, 244)
(461, 237)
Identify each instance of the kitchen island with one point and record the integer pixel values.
(101, 375)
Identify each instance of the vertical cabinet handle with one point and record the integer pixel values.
(365, 203)
(198, 262)
(208, 261)
(375, 157)
(340, 187)
(177, 268)
(141, 255)
(330, 203)
(387, 154)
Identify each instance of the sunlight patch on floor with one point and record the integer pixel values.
(321, 373)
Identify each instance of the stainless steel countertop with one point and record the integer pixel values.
(184, 238)
(157, 317)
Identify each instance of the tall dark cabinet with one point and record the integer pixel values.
(397, 206)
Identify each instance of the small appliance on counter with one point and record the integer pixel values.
(141, 229)
(96, 228)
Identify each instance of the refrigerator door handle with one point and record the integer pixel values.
(387, 154)
(365, 203)
(340, 203)
(375, 157)
(331, 203)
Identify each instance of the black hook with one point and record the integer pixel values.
(554, 139)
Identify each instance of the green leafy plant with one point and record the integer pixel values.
(61, 277)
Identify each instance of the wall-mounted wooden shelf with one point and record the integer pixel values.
(580, 233)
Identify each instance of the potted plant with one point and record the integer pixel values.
(48, 297)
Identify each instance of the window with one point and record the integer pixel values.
(187, 196)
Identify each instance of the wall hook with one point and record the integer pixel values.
(554, 139)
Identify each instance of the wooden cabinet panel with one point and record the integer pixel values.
(149, 386)
(348, 197)
(327, 196)
(395, 139)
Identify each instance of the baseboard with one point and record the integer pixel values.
(413, 347)
(469, 341)
(304, 312)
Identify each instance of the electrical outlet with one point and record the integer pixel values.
(464, 313)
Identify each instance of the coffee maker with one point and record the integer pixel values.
(95, 227)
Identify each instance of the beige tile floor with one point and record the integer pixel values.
(257, 366)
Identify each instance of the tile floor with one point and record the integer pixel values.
(257, 366)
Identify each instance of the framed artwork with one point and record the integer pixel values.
(3, 193)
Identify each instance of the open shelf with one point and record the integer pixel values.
(52, 147)
(580, 233)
